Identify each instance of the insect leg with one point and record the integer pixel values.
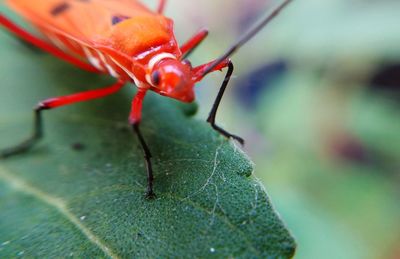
(201, 71)
(25, 35)
(30, 142)
(134, 120)
(188, 47)
(53, 103)
(213, 112)
(147, 157)
(161, 6)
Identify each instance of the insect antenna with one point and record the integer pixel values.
(247, 36)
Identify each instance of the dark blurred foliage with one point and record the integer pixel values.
(249, 87)
(316, 97)
(386, 80)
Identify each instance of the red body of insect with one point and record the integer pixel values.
(122, 38)
(126, 40)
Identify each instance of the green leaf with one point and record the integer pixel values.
(56, 201)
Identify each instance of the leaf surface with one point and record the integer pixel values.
(60, 201)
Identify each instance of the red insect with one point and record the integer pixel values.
(126, 40)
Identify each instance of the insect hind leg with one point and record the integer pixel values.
(31, 141)
(54, 103)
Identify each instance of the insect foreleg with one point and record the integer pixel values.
(23, 34)
(188, 47)
(201, 71)
(213, 112)
(147, 157)
(134, 120)
(53, 103)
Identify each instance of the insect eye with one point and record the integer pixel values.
(155, 77)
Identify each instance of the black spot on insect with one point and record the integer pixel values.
(118, 18)
(60, 8)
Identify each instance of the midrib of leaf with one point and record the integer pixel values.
(61, 205)
(57, 203)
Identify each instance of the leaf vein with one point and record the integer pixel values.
(22, 186)
(193, 204)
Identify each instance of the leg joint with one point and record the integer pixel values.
(41, 106)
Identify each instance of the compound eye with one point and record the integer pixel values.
(156, 78)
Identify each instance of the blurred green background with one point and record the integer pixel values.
(316, 95)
